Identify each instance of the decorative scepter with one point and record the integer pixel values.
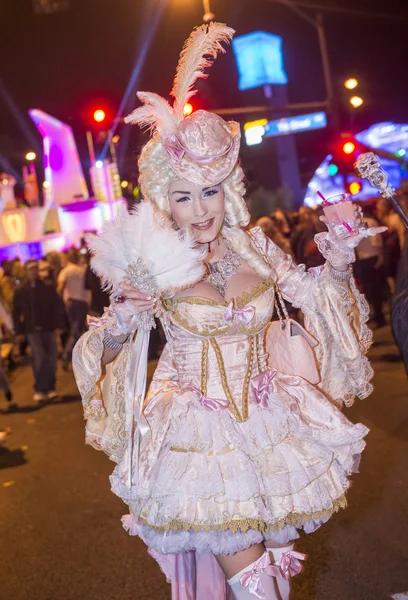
(369, 167)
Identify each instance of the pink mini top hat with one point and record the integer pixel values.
(202, 148)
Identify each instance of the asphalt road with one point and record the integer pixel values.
(60, 531)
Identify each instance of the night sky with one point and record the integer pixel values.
(70, 63)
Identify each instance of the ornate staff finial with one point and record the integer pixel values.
(369, 167)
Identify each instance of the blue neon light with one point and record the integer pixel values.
(295, 124)
(259, 60)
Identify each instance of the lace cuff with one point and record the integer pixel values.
(336, 255)
(95, 410)
(121, 319)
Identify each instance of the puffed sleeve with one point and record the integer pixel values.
(105, 390)
(335, 314)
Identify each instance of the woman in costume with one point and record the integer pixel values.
(226, 459)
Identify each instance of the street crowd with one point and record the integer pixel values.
(44, 303)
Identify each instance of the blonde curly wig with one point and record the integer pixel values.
(155, 176)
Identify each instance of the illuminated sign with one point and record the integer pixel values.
(255, 131)
(259, 60)
(295, 124)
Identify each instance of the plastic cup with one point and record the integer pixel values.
(340, 215)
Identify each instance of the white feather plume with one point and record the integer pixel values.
(145, 233)
(155, 113)
(204, 42)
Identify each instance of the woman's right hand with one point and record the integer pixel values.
(138, 300)
(130, 311)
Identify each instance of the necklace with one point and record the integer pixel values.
(221, 270)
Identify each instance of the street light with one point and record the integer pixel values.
(30, 156)
(124, 184)
(356, 101)
(351, 84)
(208, 15)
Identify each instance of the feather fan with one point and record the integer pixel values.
(203, 43)
(144, 237)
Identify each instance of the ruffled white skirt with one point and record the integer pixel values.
(221, 486)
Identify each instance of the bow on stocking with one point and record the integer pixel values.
(289, 564)
(252, 579)
(242, 315)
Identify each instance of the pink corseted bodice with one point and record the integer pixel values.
(218, 346)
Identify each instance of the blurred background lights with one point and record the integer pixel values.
(30, 156)
(124, 184)
(354, 187)
(356, 101)
(99, 164)
(351, 83)
(46, 184)
(401, 152)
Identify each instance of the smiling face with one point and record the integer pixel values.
(198, 207)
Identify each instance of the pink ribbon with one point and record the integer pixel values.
(242, 315)
(261, 387)
(252, 579)
(176, 149)
(95, 322)
(289, 564)
(210, 403)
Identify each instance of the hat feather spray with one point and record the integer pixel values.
(142, 248)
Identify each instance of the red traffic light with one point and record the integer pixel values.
(188, 109)
(349, 147)
(99, 115)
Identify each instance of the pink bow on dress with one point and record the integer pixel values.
(289, 564)
(210, 403)
(252, 579)
(261, 387)
(243, 315)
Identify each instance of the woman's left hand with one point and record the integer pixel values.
(360, 231)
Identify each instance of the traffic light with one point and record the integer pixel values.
(99, 115)
(354, 187)
(344, 153)
(188, 109)
(349, 148)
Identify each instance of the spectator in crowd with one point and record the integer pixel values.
(369, 269)
(54, 261)
(38, 313)
(99, 298)
(71, 285)
(6, 324)
(400, 306)
(270, 229)
(303, 245)
(7, 284)
(392, 240)
(386, 215)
